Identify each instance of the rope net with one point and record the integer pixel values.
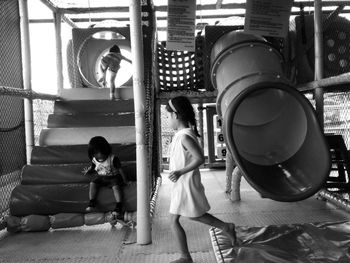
(12, 133)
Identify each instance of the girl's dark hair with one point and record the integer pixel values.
(98, 144)
(114, 49)
(184, 110)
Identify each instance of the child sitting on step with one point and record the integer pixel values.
(105, 170)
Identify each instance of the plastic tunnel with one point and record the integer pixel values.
(270, 128)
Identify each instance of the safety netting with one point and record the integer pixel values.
(12, 133)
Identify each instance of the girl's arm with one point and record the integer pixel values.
(126, 59)
(90, 170)
(197, 158)
(117, 164)
(125, 178)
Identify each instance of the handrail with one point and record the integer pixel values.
(28, 94)
(325, 83)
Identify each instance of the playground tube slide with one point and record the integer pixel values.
(270, 128)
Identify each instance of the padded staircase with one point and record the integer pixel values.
(54, 183)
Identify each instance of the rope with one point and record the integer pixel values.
(29, 94)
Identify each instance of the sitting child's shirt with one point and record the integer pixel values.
(109, 167)
(107, 172)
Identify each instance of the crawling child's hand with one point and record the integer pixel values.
(86, 170)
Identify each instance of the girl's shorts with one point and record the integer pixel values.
(108, 181)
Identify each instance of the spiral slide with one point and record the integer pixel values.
(270, 128)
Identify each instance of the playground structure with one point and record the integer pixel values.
(270, 128)
(297, 160)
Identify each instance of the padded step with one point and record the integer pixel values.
(76, 136)
(65, 174)
(65, 198)
(96, 106)
(91, 120)
(126, 92)
(74, 154)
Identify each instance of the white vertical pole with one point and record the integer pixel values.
(318, 42)
(201, 123)
(27, 84)
(143, 176)
(59, 63)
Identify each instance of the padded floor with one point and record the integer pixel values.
(105, 244)
(299, 243)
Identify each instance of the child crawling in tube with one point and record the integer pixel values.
(111, 62)
(105, 170)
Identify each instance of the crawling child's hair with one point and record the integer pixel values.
(183, 108)
(98, 144)
(114, 49)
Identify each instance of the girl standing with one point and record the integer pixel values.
(188, 197)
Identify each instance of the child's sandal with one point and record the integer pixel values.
(230, 231)
(91, 207)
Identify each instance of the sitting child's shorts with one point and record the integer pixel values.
(108, 181)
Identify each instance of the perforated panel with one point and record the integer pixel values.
(336, 36)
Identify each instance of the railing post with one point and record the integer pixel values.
(318, 60)
(143, 176)
(27, 85)
(59, 63)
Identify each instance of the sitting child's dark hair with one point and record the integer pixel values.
(98, 144)
(114, 49)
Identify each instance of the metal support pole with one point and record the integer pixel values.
(59, 63)
(201, 123)
(143, 170)
(27, 85)
(318, 60)
(159, 133)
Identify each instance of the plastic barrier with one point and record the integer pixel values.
(270, 128)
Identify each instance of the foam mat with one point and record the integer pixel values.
(292, 243)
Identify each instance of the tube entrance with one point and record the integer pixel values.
(269, 133)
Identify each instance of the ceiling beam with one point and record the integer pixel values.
(164, 8)
(69, 21)
(50, 5)
(159, 18)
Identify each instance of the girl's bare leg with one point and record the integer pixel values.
(181, 240)
(92, 191)
(117, 193)
(118, 198)
(117, 95)
(111, 84)
(92, 196)
(228, 228)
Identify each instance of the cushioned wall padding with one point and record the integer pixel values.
(65, 174)
(65, 198)
(64, 220)
(98, 106)
(125, 93)
(90, 120)
(76, 136)
(72, 154)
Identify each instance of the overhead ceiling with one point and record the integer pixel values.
(209, 12)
